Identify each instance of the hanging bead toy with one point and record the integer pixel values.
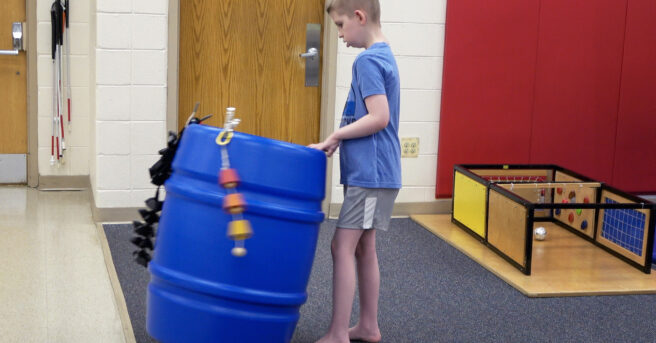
(239, 229)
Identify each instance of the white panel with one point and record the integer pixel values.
(139, 175)
(148, 103)
(45, 102)
(149, 32)
(114, 31)
(79, 35)
(421, 11)
(80, 71)
(79, 160)
(149, 67)
(44, 132)
(147, 137)
(420, 105)
(113, 198)
(113, 67)
(113, 172)
(80, 11)
(112, 103)
(114, 6)
(420, 171)
(139, 196)
(80, 103)
(112, 138)
(43, 40)
(13, 168)
(44, 69)
(344, 70)
(431, 37)
(420, 72)
(151, 6)
(79, 135)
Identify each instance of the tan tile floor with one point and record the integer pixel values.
(54, 283)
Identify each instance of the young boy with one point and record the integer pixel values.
(370, 161)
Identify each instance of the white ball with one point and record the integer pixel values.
(540, 233)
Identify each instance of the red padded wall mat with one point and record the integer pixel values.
(635, 158)
(487, 85)
(578, 84)
(567, 82)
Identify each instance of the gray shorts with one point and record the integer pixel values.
(366, 208)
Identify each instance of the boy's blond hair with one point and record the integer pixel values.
(371, 7)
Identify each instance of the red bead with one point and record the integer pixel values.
(228, 178)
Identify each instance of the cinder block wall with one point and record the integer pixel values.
(130, 86)
(119, 54)
(416, 35)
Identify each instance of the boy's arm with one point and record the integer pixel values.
(372, 122)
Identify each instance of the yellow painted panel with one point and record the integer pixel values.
(469, 203)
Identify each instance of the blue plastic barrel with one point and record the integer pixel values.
(199, 291)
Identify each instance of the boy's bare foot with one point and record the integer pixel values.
(330, 338)
(357, 333)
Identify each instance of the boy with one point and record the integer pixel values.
(370, 163)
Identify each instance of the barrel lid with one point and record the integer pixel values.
(263, 163)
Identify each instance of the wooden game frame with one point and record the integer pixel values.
(499, 215)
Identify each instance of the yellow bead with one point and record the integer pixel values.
(239, 230)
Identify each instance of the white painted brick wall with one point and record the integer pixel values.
(114, 31)
(148, 103)
(416, 35)
(112, 103)
(149, 32)
(149, 67)
(131, 71)
(130, 93)
(113, 137)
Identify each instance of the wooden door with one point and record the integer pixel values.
(13, 71)
(245, 54)
(13, 98)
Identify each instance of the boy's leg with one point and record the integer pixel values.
(369, 285)
(343, 251)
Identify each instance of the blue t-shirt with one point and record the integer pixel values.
(373, 161)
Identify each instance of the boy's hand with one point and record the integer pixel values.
(329, 145)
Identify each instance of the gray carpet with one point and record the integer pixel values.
(430, 292)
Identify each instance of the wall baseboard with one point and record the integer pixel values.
(115, 214)
(63, 183)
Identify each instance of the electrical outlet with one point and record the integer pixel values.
(409, 147)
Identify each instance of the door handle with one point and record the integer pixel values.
(310, 53)
(17, 39)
